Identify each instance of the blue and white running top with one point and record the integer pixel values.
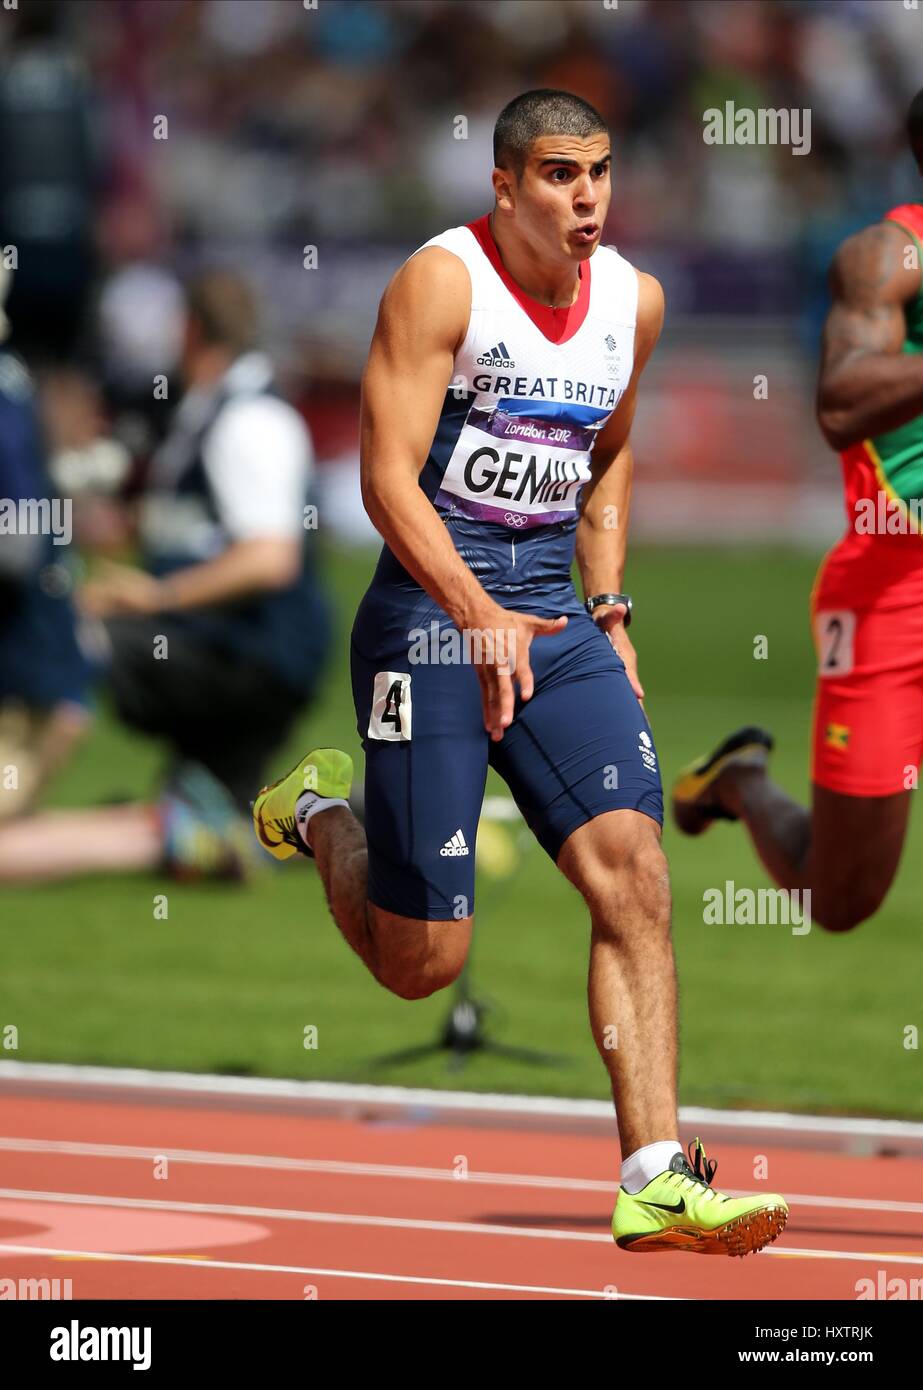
(531, 388)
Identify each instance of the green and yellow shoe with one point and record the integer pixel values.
(694, 805)
(326, 772)
(680, 1210)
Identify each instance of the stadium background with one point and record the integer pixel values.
(334, 128)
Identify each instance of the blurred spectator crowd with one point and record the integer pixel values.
(311, 145)
(333, 124)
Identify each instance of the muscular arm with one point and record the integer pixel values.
(867, 385)
(421, 321)
(602, 531)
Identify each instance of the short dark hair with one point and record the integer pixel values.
(915, 124)
(226, 309)
(544, 111)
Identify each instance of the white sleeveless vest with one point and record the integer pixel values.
(522, 412)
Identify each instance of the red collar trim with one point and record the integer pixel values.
(556, 324)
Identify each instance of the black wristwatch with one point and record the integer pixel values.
(599, 599)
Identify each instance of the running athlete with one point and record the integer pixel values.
(866, 607)
(497, 402)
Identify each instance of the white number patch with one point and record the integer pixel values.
(391, 707)
(834, 635)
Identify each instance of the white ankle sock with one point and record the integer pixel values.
(308, 804)
(641, 1167)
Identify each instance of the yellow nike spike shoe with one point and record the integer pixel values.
(325, 772)
(680, 1210)
(694, 804)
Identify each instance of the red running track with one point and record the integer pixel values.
(154, 1197)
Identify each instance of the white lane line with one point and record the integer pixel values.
(330, 1273)
(335, 1218)
(358, 1099)
(884, 1204)
(812, 1254)
(334, 1166)
(341, 1168)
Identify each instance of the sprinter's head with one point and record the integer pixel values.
(551, 157)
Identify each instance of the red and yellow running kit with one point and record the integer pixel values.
(867, 604)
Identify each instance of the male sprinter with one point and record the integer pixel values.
(500, 386)
(867, 604)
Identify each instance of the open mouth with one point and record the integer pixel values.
(587, 232)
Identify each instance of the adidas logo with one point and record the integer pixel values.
(498, 356)
(455, 846)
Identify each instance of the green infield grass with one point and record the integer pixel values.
(232, 978)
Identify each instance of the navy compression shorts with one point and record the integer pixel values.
(579, 747)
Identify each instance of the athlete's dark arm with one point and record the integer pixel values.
(602, 531)
(867, 385)
(421, 322)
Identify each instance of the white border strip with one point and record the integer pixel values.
(858, 1134)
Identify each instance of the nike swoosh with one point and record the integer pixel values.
(662, 1206)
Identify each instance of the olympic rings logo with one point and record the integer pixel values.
(515, 519)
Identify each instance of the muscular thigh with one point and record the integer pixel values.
(617, 863)
(419, 718)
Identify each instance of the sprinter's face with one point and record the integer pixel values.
(562, 197)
